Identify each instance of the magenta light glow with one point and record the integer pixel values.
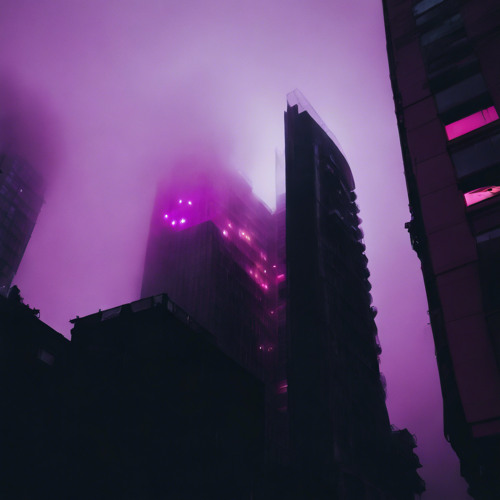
(283, 387)
(471, 122)
(478, 195)
(244, 235)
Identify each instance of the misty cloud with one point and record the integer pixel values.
(28, 128)
(111, 95)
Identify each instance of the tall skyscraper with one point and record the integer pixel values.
(211, 249)
(21, 198)
(287, 296)
(443, 58)
(338, 418)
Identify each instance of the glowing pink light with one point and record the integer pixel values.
(280, 277)
(174, 222)
(183, 220)
(274, 267)
(283, 387)
(166, 216)
(180, 201)
(189, 203)
(225, 233)
(471, 122)
(477, 195)
(229, 225)
(243, 234)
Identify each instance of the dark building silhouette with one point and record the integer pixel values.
(443, 58)
(32, 413)
(339, 427)
(21, 198)
(287, 296)
(158, 411)
(141, 404)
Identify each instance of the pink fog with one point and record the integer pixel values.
(103, 97)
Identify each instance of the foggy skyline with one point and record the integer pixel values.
(110, 94)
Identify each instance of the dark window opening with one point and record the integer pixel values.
(450, 60)
(484, 179)
(446, 47)
(435, 15)
(444, 29)
(488, 245)
(479, 157)
(46, 357)
(461, 92)
(424, 5)
(450, 72)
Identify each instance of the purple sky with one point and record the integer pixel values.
(106, 93)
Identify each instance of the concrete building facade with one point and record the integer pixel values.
(443, 59)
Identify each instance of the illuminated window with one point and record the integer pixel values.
(282, 387)
(477, 195)
(471, 122)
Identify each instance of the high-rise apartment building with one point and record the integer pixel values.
(21, 198)
(211, 249)
(443, 58)
(339, 427)
(287, 296)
